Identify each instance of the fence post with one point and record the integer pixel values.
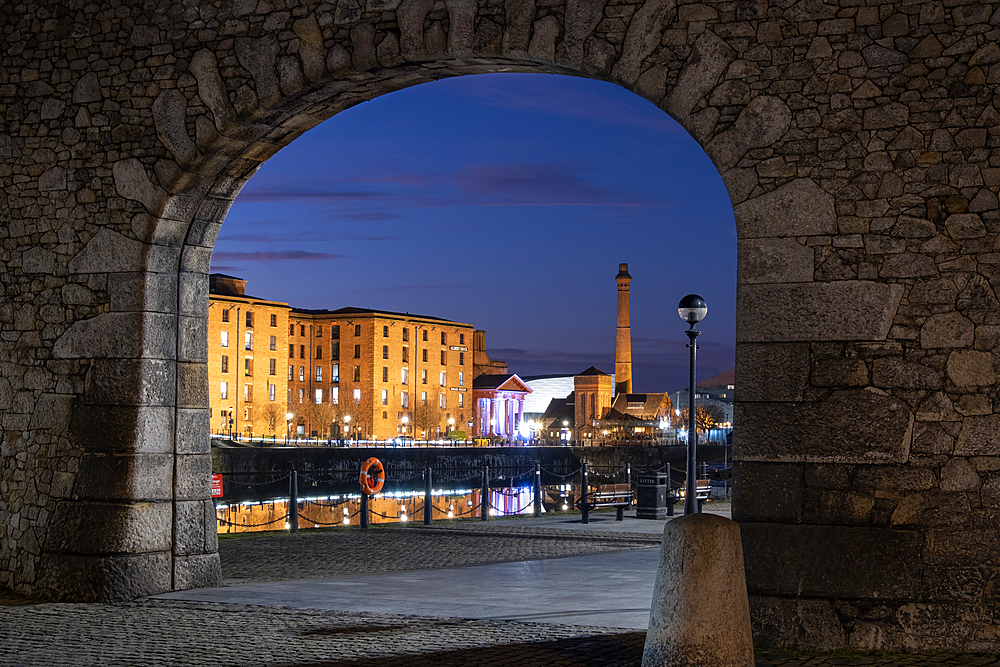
(628, 474)
(484, 496)
(293, 502)
(670, 491)
(364, 509)
(428, 497)
(538, 489)
(585, 490)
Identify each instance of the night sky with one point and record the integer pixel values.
(505, 201)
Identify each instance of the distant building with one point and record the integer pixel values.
(499, 406)
(594, 392)
(718, 391)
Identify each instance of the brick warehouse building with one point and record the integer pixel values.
(359, 373)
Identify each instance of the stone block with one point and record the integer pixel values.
(131, 382)
(844, 310)
(125, 477)
(959, 547)
(189, 527)
(947, 330)
(774, 261)
(810, 625)
(192, 385)
(831, 561)
(895, 373)
(931, 509)
(839, 373)
(798, 208)
(193, 294)
(862, 426)
(107, 528)
(193, 427)
(192, 340)
(894, 478)
(119, 336)
(775, 372)
(768, 492)
(197, 571)
(122, 429)
(149, 291)
(194, 477)
(844, 508)
(710, 57)
(973, 368)
(112, 578)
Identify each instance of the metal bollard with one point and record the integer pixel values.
(538, 489)
(428, 497)
(293, 502)
(484, 496)
(364, 509)
(585, 490)
(670, 492)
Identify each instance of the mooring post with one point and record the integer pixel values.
(585, 490)
(484, 495)
(293, 502)
(538, 489)
(428, 497)
(364, 509)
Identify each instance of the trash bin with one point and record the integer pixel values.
(653, 496)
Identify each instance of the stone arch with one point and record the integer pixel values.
(857, 145)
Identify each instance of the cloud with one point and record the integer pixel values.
(274, 256)
(372, 216)
(279, 194)
(265, 239)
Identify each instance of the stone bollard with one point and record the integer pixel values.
(700, 616)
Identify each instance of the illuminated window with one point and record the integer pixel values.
(270, 392)
(302, 395)
(423, 398)
(291, 372)
(461, 379)
(404, 375)
(385, 397)
(248, 340)
(302, 373)
(423, 376)
(319, 374)
(225, 363)
(248, 366)
(248, 392)
(404, 399)
(357, 396)
(225, 338)
(442, 400)
(335, 395)
(444, 378)
(461, 400)
(319, 397)
(335, 373)
(223, 390)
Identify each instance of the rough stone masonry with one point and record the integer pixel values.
(857, 140)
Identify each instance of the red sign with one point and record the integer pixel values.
(217, 486)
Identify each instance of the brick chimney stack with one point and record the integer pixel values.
(623, 348)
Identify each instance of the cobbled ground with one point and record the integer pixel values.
(175, 633)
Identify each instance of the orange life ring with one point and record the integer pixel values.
(371, 482)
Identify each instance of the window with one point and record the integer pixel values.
(404, 399)
(274, 323)
(248, 392)
(423, 376)
(225, 314)
(270, 392)
(385, 351)
(302, 330)
(444, 338)
(302, 373)
(248, 340)
(272, 366)
(335, 332)
(319, 374)
(423, 399)
(248, 366)
(404, 375)
(302, 395)
(357, 373)
(385, 415)
(385, 332)
(319, 351)
(319, 397)
(249, 318)
(225, 338)
(302, 351)
(273, 344)
(291, 372)
(406, 333)
(385, 374)
(335, 395)
(461, 358)
(225, 363)
(291, 329)
(319, 332)
(291, 351)
(444, 379)
(461, 379)
(442, 400)
(357, 396)
(406, 354)
(385, 397)
(223, 390)
(357, 329)
(425, 335)
(423, 353)
(335, 373)
(461, 339)
(461, 400)
(357, 351)
(335, 350)
(443, 359)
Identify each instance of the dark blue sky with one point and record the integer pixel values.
(505, 201)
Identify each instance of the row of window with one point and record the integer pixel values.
(334, 330)
(249, 317)
(247, 391)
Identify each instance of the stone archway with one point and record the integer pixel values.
(858, 148)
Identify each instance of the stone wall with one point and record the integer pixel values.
(857, 142)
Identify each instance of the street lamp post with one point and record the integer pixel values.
(404, 419)
(288, 426)
(692, 310)
(347, 428)
(451, 425)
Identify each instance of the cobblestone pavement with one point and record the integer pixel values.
(281, 556)
(174, 633)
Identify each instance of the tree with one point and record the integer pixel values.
(273, 414)
(427, 419)
(323, 415)
(706, 417)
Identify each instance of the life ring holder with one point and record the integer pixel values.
(372, 482)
